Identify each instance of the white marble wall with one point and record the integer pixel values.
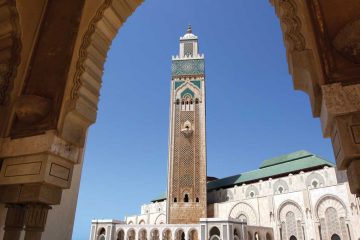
(263, 209)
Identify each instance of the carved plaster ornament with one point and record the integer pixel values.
(187, 129)
(31, 108)
(347, 41)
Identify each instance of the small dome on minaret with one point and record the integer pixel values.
(189, 35)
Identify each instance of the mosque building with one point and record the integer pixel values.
(297, 196)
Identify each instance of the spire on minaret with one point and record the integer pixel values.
(189, 30)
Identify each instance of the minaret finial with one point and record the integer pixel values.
(189, 30)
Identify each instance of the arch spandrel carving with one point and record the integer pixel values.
(83, 92)
(160, 219)
(280, 183)
(289, 206)
(246, 210)
(330, 201)
(314, 176)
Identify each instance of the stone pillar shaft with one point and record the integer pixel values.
(35, 220)
(14, 221)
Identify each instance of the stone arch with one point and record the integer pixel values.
(83, 92)
(154, 234)
(331, 213)
(142, 234)
(290, 206)
(251, 189)
(101, 234)
(131, 234)
(141, 221)
(330, 201)
(166, 234)
(280, 186)
(120, 234)
(245, 209)
(185, 88)
(161, 219)
(214, 231)
(193, 234)
(292, 220)
(11, 51)
(314, 176)
(179, 234)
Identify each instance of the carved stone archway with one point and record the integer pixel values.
(323, 61)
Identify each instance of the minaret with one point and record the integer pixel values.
(186, 199)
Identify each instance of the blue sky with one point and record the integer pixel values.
(253, 113)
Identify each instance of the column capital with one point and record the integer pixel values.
(337, 100)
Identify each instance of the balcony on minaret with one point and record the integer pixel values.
(187, 129)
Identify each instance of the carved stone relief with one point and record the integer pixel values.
(10, 45)
(347, 41)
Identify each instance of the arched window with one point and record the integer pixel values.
(335, 237)
(121, 235)
(193, 235)
(186, 198)
(179, 235)
(142, 234)
(154, 234)
(131, 234)
(315, 183)
(167, 234)
(252, 194)
(214, 232)
(257, 236)
(187, 102)
(280, 189)
(197, 199)
(102, 233)
(175, 199)
(293, 237)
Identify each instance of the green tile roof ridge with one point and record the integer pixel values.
(285, 158)
(305, 160)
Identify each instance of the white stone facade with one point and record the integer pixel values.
(307, 195)
(302, 205)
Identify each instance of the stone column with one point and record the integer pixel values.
(340, 119)
(14, 221)
(35, 220)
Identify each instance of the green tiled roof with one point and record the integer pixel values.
(285, 158)
(160, 198)
(285, 164)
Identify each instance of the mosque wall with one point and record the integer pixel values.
(304, 200)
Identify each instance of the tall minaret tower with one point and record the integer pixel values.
(186, 198)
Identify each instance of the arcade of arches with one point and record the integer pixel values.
(45, 112)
